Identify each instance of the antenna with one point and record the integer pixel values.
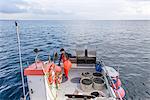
(19, 49)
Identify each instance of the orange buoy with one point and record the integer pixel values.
(52, 69)
(54, 73)
(117, 82)
(121, 91)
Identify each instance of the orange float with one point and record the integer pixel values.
(117, 82)
(54, 73)
(121, 91)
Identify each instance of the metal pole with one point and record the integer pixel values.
(22, 78)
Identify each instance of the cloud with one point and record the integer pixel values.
(139, 0)
(32, 7)
(11, 9)
(13, 6)
(75, 9)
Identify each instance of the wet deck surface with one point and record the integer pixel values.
(72, 85)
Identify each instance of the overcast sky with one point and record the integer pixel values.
(75, 9)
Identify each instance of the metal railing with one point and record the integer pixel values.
(111, 82)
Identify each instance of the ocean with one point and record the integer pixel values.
(123, 43)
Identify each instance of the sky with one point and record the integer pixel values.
(75, 9)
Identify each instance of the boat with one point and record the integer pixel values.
(89, 78)
(85, 81)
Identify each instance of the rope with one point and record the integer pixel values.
(46, 75)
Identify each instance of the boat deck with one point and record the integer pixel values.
(72, 85)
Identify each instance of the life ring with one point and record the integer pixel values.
(54, 74)
(121, 91)
(117, 82)
(51, 73)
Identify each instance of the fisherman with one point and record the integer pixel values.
(66, 62)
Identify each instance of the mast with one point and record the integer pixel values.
(19, 49)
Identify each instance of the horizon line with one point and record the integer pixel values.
(75, 19)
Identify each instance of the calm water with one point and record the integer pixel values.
(119, 43)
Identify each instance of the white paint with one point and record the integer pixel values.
(37, 84)
(111, 71)
(51, 91)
